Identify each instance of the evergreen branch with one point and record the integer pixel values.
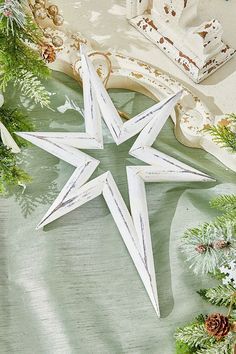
(223, 135)
(194, 336)
(220, 347)
(224, 203)
(182, 348)
(10, 173)
(225, 218)
(12, 13)
(220, 295)
(14, 121)
(209, 246)
(32, 87)
(19, 57)
(232, 117)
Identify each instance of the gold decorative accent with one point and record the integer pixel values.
(41, 12)
(224, 122)
(137, 75)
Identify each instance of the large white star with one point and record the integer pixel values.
(133, 227)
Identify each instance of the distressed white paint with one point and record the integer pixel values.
(189, 117)
(198, 50)
(134, 228)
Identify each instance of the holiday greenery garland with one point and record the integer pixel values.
(20, 61)
(211, 249)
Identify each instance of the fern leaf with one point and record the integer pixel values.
(32, 87)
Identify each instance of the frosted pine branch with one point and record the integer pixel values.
(220, 295)
(194, 335)
(209, 246)
(221, 347)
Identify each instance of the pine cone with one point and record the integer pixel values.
(201, 248)
(48, 53)
(217, 325)
(221, 244)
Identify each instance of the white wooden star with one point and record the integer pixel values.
(134, 228)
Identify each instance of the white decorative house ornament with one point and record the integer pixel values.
(197, 50)
(134, 228)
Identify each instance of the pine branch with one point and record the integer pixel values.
(220, 347)
(225, 203)
(12, 13)
(209, 246)
(232, 117)
(14, 121)
(220, 295)
(10, 173)
(223, 135)
(225, 218)
(19, 58)
(194, 336)
(182, 348)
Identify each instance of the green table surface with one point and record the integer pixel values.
(72, 287)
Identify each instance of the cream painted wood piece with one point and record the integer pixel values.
(134, 228)
(191, 115)
(170, 24)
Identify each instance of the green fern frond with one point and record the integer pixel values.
(224, 203)
(223, 136)
(219, 296)
(32, 87)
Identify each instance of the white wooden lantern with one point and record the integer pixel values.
(197, 50)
